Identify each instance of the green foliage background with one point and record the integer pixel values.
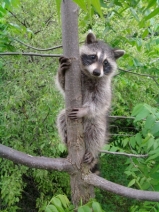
(30, 102)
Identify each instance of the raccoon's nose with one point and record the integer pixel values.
(96, 72)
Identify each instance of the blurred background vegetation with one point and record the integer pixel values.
(30, 102)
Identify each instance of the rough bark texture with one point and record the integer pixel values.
(76, 147)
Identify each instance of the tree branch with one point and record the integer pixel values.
(124, 154)
(23, 23)
(144, 75)
(131, 72)
(121, 190)
(125, 117)
(51, 48)
(30, 54)
(60, 164)
(121, 117)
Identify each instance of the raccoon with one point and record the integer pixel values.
(98, 66)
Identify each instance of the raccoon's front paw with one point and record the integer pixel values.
(77, 113)
(64, 63)
(88, 158)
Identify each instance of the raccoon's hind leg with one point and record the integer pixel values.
(61, 126)
(95, 137)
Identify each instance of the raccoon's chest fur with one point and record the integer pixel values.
(96, 91)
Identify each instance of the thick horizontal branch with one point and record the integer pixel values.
(124, 154)
(60, 164)
(30, 54)
(63, 165)
(121, 190)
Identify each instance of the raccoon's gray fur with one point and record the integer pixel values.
(98, 66)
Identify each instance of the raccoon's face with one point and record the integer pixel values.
(97, 58)
(97, 63)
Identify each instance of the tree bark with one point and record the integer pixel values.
(60, 164)
(73, 99)
(121, 190)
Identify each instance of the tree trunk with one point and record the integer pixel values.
(73, 99)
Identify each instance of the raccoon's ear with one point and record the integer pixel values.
(91, 38)
(118, 53)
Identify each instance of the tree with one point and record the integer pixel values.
(68, 167)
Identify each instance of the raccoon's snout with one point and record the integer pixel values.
(96, 72)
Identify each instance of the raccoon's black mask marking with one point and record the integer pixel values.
(88, 59)
(106, 67)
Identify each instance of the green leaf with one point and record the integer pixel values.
(149, 121)
(58, 5)
(96, 207)
(132, 182)
(51, 208)
(81, 4)
(153, 156)
(80, 209)
(57, 204)
(155, 129)
(150, 142)
(151, 3)
(64, 200)
(134, 13)
(138, 138)
(61, 147)
(142, 115)
(132, 142)
(137, 109)
(96, 5)
(85, 208)
(125, 142)
(151, 15)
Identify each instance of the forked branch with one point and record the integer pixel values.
(61, 164)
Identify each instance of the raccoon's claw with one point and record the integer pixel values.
(64, 63)
(88, 158)
(73, 114)
(77, 113)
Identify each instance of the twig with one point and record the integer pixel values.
(131, 72)
(126, 117)
(144, 75)
(124, 154)
(30, 54)
(51, 48)
(121, 117)
(23, 23)
(125, 135)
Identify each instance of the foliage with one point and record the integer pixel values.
(29, 106)
(60, 203)
(8, 28)
(142, 173)
(30, 102)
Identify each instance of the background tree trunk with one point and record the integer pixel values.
(76, 146)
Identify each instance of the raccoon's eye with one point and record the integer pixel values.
(93, 56)
(105, 62)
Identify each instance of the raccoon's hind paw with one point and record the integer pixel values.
(64, 63)
(88, 158)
